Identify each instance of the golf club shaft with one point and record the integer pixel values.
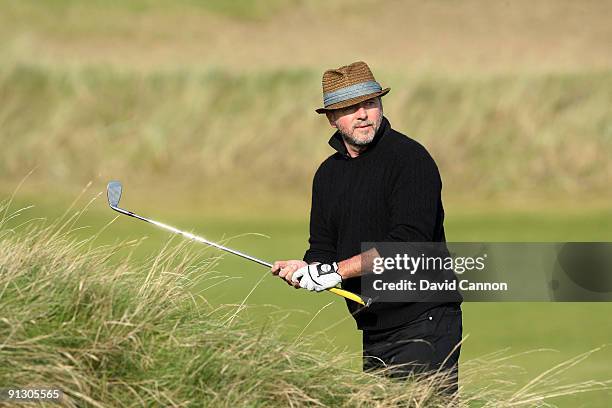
(363, 300)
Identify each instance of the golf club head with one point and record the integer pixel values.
(113, 192)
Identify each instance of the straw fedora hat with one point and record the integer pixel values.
(349, 85)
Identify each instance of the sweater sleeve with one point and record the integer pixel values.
(415, 201)
(322, 234)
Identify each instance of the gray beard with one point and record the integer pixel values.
(355, 142)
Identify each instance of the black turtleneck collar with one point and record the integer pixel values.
(337, 142)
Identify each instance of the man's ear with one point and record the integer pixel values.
(331, 118)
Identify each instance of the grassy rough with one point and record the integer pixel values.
(110, 333)
(525, 134)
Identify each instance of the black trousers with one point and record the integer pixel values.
(426, 344)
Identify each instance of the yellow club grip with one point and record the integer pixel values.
(362, 300)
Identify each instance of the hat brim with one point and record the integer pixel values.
(352, 101)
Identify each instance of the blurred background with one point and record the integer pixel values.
(204, 109)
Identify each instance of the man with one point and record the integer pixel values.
(379, 186)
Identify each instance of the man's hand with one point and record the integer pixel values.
(285, 270)
(317, 276)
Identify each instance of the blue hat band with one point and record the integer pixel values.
(349, 92)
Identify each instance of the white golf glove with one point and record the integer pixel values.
(317, 277)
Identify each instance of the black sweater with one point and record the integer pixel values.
(389, 193)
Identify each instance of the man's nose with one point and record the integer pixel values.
(362, 112)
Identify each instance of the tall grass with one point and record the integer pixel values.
(109, 332)
(523, 133)
(112, 334)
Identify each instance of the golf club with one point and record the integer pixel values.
(113, 192)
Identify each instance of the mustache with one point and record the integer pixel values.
(363, 123)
